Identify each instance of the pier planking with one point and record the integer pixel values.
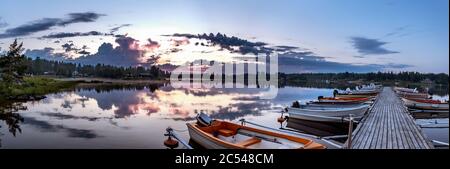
(388, 125)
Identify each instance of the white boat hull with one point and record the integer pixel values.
(322, 118)
(407, 90)
(327, 114)
(203, 141)
(414, 95)
(419, 105)
(246, 138)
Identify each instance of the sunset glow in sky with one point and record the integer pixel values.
(309, 35)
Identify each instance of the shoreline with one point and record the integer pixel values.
(108, 81)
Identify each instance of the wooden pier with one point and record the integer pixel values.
(388, 125)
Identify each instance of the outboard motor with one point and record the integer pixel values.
(204, 120)
(335, 92)
(320, 98)
(296, 104)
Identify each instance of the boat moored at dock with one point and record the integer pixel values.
(341, 100)
(328, 114)
(425, 104)
(407, 90)
(218, 134)
(414, 95)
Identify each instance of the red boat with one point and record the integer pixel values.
(342, 100)
(430, 101)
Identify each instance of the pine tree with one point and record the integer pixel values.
(13, 64)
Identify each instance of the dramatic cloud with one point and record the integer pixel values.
(151, 45)
(91, 33)
(233, 44)
(131, 52)
(84, 52)
(46, 53)
(73, 34)
(180, 42)
(128, 53)
(115, 29)
(48, 23)
(69, 47)
(285, 48)
(80, 17)
(27, 29)
(366, 46)
(49, 53)
(295, 62)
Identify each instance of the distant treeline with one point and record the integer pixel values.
(44, 67)
(411, 77)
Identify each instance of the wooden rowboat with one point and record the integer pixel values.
(360, 92)
(340, 95)
(407, 90)
(330, 105)
(425, 104)
(344, 99)
(414, 95)
(430, 101)
(226, 135)
(327, 114)
(341, 100)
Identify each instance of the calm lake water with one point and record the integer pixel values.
(136, 117)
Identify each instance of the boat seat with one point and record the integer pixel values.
(225, 132)
(249, 142)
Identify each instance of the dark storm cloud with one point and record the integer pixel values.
(48, 23)
(367, 46)
(73, 34)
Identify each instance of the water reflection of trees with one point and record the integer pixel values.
(324, 85)
(112, 87)
(11, 118)
(439, 90)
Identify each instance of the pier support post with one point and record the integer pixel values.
(350, 132)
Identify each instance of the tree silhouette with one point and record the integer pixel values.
(13, 64)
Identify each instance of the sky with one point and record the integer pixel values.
(308, 35)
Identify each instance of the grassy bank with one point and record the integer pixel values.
(32, 87)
